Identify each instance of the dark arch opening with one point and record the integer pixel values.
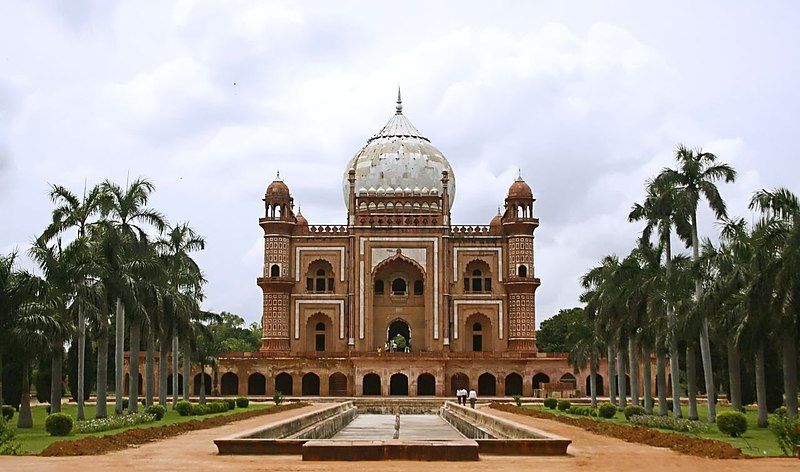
(487, 384)
(371, 385)
(275, 271)
(457, 381)
(229, 384)
(419, 287)
(399, 286)
(207, 383)
(598, 380)
(627, 384)
(522, 271)
(284, 384)
(540, 379)
(337, 385)
(398, 385)
(169, 384)
(310, 384)
(513, 384)
(426, 384)
(399, 327)
(378, 287)
(256, 384)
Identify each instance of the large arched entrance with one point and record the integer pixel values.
(458, 381)
(284, 384)
(310, 384)
(426, 384)
(229, 384)
(539, 380)
(487, 384)
(257, 384)
(337, 385)
(398, 384)
(371, 384)
(207, 383)
(599, 382)
(399, 328)
(513, 384)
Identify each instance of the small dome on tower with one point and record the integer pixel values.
(520, 189)
(497, 221)
(301, 220)
(278, 189)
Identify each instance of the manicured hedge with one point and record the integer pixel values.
(58, 424)
(564, 405)
(633, 410)
(157, 411)
(733, 423)
(242, 402)
(551, 403)
(8, 412)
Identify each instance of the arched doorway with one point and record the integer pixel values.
(310, 384)
(477, 329)
(457, 381)
(487, 385)
(207, 383)
(540, 379)
(398, 384)
(169, 384)
(598, 380)
(256, 384)
(371, 384)
(229, 384)
(426, 384)
(399, 328)
(513, 384)
(284, 384)
(337, 385)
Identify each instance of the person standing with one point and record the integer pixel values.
(458, 396)
(473, 397)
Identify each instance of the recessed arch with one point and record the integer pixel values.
(206, 381)
(487, 384)
(569, 379)
(477, 333)
(310, 384)
(320, 276)
(599, 383)
(256, 384)
(229, 384)
(397, 257)
(458, 381)
(284, 383)
(169, 384)
(398, 384)
(540, 379)
(513, 384)
(337, 385)
(371, 384)
(426, 384)
(319, 333)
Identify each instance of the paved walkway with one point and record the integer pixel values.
(196, 451)
(411, 427)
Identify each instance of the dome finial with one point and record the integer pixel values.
(519, 175)
(399, 106)
(278, 175)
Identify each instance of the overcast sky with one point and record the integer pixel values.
(208, 99)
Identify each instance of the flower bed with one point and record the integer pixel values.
(113, 422)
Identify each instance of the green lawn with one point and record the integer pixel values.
(755, 442)
(36, 439)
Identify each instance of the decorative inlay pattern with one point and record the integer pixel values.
(276, 315)
(521, 316)
(276, 251)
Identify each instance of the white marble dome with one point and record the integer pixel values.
(399, 157)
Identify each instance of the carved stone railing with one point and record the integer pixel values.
(470, 229)
(328, 229)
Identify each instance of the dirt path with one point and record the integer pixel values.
(196, 451)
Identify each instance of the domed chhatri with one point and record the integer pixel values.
(520, 189)
(277, 188)
(399, 157)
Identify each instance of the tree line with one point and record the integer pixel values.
(737, 297)
(107, 261)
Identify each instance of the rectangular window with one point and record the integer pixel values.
(309, 284)
(320, 285)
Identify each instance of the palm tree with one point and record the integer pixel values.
(695, 179)
(585, 349)
(661, 212)
(126, 211)
(73, 212)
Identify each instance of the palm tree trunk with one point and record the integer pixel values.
(674, 353)
(133, 365)
(705, 344)
(612, 374)
(102, 367)
(633, 360)
(734, 374)
(202, 399)
(789, 371)
(119, 357)
(661, 382)
(691, 381)
(25, 419)
(761, 388)
(56, 371)
(163, 352)
(175, 369)
(2, 400)
(621, 387)
(593, 379)
(647, 394)
(187, 368)
(81, 415)
(149, 366)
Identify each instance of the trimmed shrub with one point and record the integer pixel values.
(8, 412)
(563, 405)
(242, 402)
(786, 431)
(9, 445)
(607, 410)
(209, 408)
(633, 410)
(582, 411)
(97, 425)
(58, 424)
(277, 397)
(551, 403)
(184, 408)
(732, 423)
(231, 403)
(158, 411)
(668, 422)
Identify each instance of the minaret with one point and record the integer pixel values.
(521, 284)
(276, 281)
